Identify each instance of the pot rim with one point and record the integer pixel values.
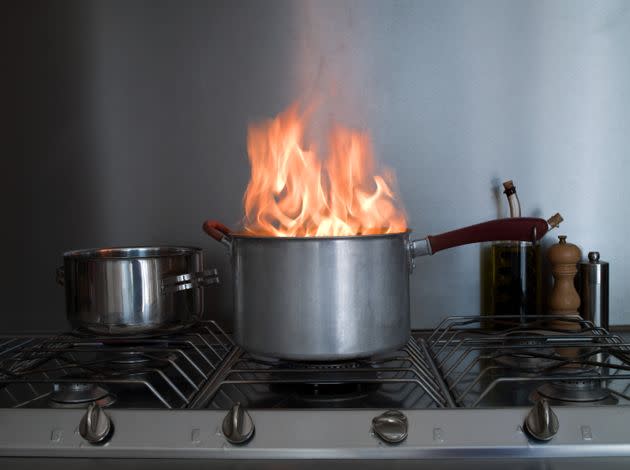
(244, 236)
(132, 252)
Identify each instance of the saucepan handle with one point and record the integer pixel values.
(219, 232)
(515, 228)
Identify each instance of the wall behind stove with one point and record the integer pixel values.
(127, 124)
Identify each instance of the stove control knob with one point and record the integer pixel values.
(390, 427)
(238, 427)
(96, 427)
(541, 422)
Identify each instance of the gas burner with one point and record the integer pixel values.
(328, 384)
(79, 395)
(85, 333)
(575, 391)
(132, 361)
(323, 366)
(325, 373)
(517, 357)
(336, 395)
(320, 393)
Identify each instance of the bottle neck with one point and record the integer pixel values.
(513, 202)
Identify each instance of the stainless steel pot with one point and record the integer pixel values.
(336, 298)
(135, 290)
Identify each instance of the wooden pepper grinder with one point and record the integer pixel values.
(564, 299)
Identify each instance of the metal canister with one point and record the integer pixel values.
(594, 290)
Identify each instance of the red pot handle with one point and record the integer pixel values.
(218, 231)
(516, 228)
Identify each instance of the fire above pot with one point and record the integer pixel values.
(295, 191)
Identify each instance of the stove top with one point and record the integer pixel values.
(73, 370)
(521, 363)
(466, 362)
(473, 388)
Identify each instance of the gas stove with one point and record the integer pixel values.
(475, 387)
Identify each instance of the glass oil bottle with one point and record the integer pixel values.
(512, 280)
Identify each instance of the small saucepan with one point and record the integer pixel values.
(134, 290)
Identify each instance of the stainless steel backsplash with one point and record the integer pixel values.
(128, 123)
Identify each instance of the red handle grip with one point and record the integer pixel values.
(216, 230)
(516, 228)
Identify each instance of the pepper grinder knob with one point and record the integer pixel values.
(564, 299)
(593, 256)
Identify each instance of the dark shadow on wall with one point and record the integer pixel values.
(47, 183)
(128, 126)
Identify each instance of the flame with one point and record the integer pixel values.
(292, 193)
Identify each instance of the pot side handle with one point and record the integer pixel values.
(190, 281)
(516, 228)
(219, 232)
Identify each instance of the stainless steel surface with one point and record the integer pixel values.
(135, 290)
(238, 427)
(391, 426)
(321, 298)
(95, 426)
(483, 90)
(444, 463)
(494, 463)
(457, 359)
(594, 290)
(541, 422)
(474, 434)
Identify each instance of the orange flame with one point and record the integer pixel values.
(291, 193)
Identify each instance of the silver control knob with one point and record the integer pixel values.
(238, 427)
(95, 427)
(541, 422)
(390, 427)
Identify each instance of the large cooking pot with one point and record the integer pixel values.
(336, 298)
(134, 290)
